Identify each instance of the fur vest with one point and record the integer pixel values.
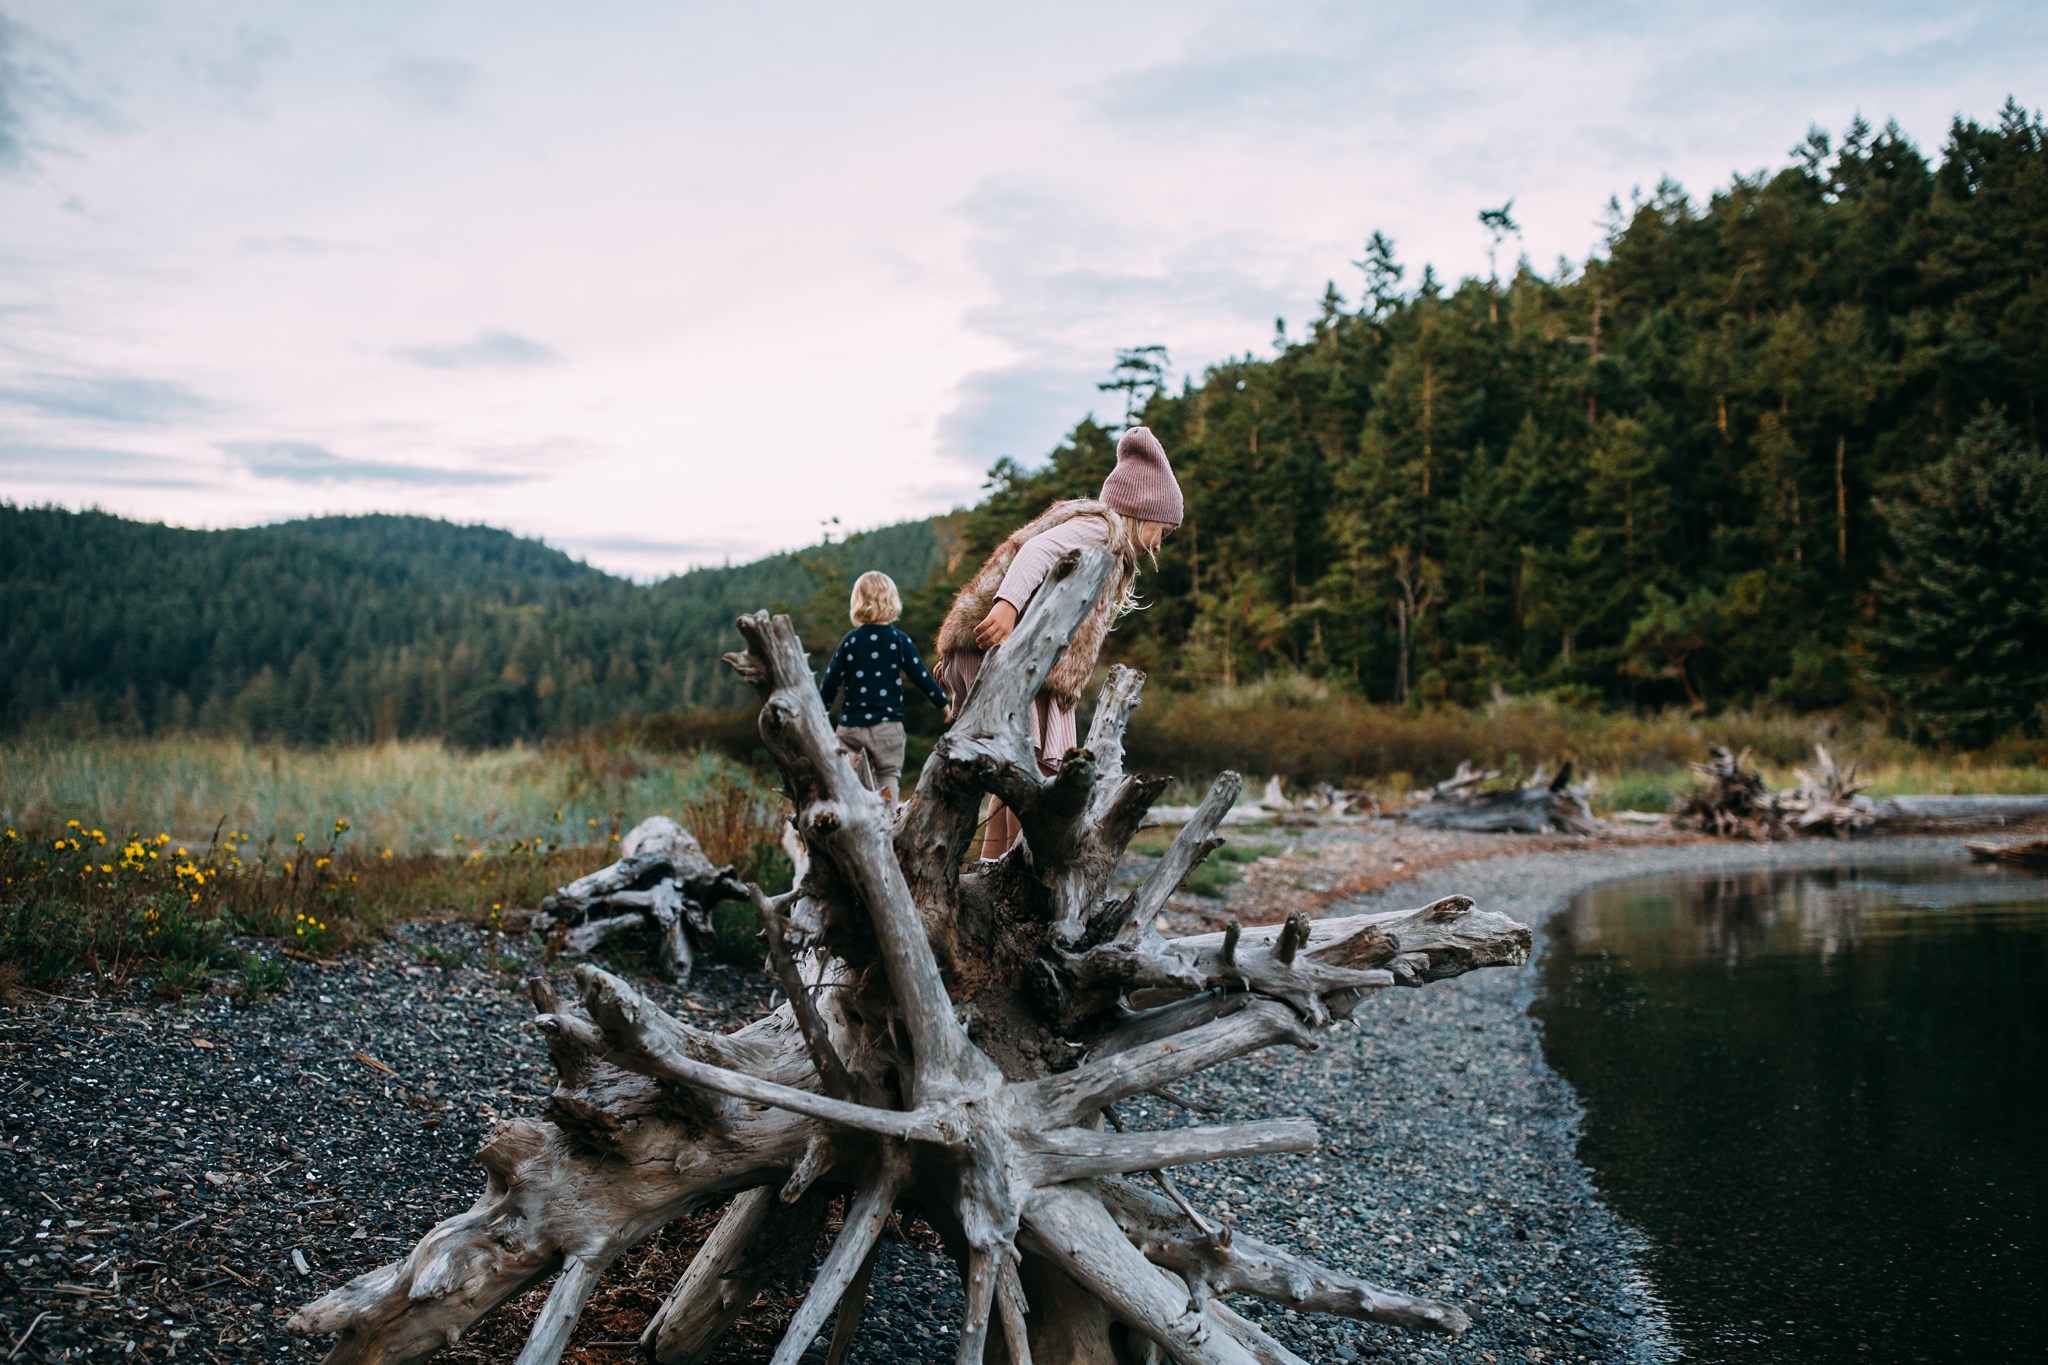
(978, 597)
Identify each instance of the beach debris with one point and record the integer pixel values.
(2027, 852)
(1729, 798)
(1321, 803)
(1827, 798)
(1541, 805)
(954, 1035)
(662, 882)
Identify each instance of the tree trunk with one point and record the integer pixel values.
(927, 1053)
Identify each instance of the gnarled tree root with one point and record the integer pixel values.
(926, 1053)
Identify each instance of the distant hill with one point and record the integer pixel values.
(340, 628)
(1669, 475)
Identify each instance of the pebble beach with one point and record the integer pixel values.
(176, 1177)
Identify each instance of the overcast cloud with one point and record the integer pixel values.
(671, 283)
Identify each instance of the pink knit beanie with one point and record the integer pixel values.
(1142, 484)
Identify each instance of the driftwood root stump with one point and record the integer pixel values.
(661, 882)
(954, 1039)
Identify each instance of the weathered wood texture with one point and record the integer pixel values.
(929, 1054)
(1827, 798)
(661, 882)
(1728, 797)
(1542, 805)
(2027, 852)
(1934, 812)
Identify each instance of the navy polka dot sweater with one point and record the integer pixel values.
(870, 664)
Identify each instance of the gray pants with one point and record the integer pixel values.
(883, 746)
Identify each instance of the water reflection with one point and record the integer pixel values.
(1824, 1097)
(1732, 915)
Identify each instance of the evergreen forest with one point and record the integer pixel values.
(1780, 446)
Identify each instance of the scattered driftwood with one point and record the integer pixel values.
(1320, 804)
(957, 1039)
(1461, 783)
(662, 882)
(1826, 798)
(1542, 805)
(2027, 853)
(1729, 798)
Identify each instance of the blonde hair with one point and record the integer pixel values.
(875, 599)
(1127, 543)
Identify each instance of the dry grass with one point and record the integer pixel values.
(1306, 733)
(412, 796)
(127, 857)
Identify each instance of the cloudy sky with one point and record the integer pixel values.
(666, 283)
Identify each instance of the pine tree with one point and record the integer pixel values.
(1962, 634)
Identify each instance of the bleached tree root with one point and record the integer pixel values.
(1828, 798)
(662, 882)
(927, 1054)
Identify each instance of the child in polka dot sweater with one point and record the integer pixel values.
(870, 664)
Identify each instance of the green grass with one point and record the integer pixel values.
(1211, 879)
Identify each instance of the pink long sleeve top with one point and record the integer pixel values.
(1027, 572)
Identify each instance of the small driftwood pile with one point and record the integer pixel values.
(2027, 853)
(1732, 799)
(1826, 798)
(1729, 798)
(953, 1037)
(662, 882)
(1542, 805)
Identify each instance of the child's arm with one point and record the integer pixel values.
(1027, 573)
(835, 673)
(913, 666)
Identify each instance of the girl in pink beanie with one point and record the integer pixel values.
(1140, 503)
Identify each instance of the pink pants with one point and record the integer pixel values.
(1054, 730)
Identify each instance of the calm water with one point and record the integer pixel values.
(1824, 1098)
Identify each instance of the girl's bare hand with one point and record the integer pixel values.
(996, 626)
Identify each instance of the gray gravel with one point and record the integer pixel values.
(162, 1163)
(178, 1179)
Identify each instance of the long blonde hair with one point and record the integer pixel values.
(1127, 543)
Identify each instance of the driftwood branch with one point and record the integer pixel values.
(1542, 805)
(925, 1053)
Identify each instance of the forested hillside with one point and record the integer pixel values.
(1722, 462)
(1657, 478)
(371, 627)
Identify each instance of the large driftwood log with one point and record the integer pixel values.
(662, 882)
(2026, 853)
(1937, 812)
(1542, 805)
(953, 1039)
